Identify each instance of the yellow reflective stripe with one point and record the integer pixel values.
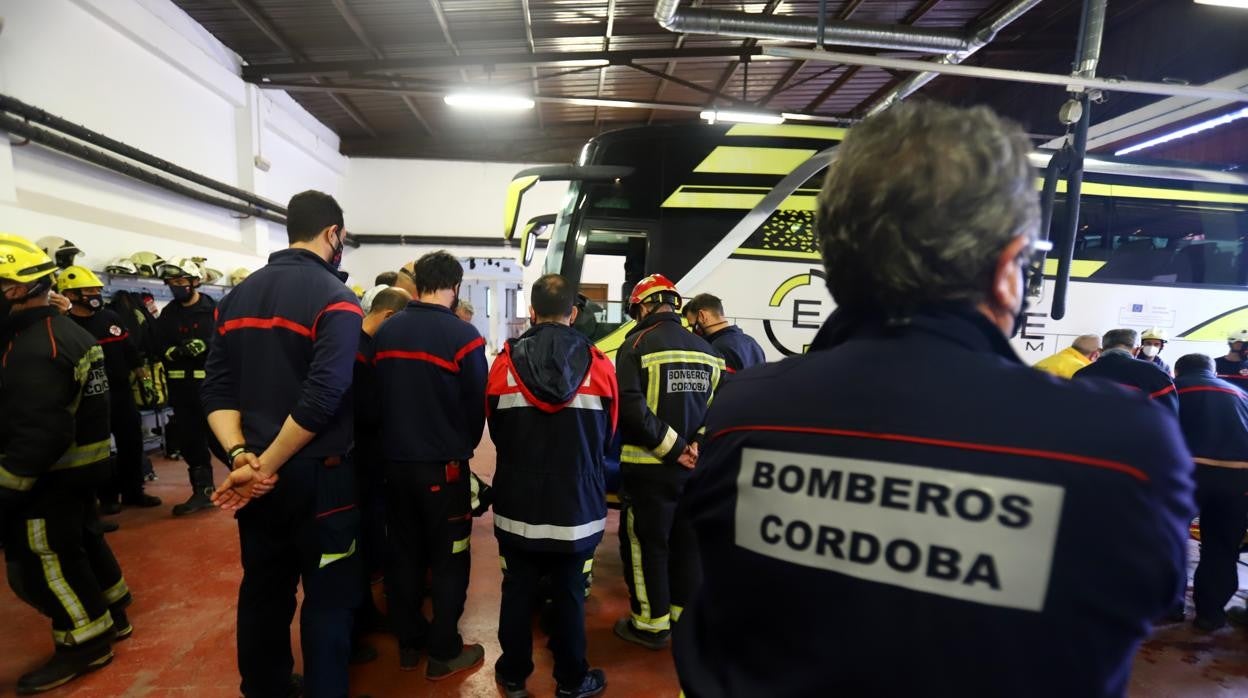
(637, 454)
(511, 206)
(739, 160)
(736, 198)
(589, 566)
(12, 481)
(665, 446)
(199, 374)
(176, 374)
(639, 576)
(827, 133)
(654, 625)
(37, 538)
(502, 562)
(1079, 268)
(116, 592)
(677, 356)
(79, 635)
(676, 611)
(652, 388)
(77, 456)
(461, 545)
(1126, 191)
(330, 558)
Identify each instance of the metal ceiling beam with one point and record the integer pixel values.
(528, 37)
(768, 10)
(679, 81)
(606, 48)
(846, 12)
(670, 68)
(253, 13)
(357, 27)
(832, 87)
(259, 71)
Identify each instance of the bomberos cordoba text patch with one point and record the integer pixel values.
(973, 537)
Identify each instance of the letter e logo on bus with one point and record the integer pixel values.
(806, 313)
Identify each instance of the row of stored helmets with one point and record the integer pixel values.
(147, 264)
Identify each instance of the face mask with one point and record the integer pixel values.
(182, 294)
(335, 257)
(1020, 318)
(89, 303)
(1150, 350)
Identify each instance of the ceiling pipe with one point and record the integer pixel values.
(985, 33)
(754, 25)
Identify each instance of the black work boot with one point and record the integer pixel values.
(511, 689)
(652, 641)
(470, 657)
(200, 500)
(65, 666)
(121, 622)
(594, 683)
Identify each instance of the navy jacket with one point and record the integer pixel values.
(553, 405)
(1021, 529)
(1214, 416)
(739, 349)
(431, 373)
(285, 343)
(1116, 366)
(178, 324)
(1234, 373)
(121, 354)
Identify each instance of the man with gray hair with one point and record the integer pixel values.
(1119, 365)
(911, 472)
(1080, 353)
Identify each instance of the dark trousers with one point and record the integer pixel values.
(58, 562)
(127, 428)
(1222, 495)
(657, 544)
(304, 530)
(192, 431)
(370, 475)
(565, 578)
(429, 527)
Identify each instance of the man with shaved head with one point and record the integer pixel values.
(1083, 351)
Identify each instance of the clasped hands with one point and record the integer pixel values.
(246, 482)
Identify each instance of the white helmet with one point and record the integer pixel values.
(59, 249)
(122, 265)
(148, 263)
(1155, 333)
(1238, 336)
(366, 302)
(182, 267)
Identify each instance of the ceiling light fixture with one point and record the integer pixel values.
(1241, 4)
(741, 117)
(488, 102)
(1184, 132)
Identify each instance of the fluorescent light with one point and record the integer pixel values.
(742, 117)
(1184, 132)
(488, 102)
(1241, 4)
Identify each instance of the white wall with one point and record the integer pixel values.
(144, 73)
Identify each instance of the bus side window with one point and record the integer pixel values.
(1192, 242)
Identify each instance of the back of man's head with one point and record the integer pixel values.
(1087, 344)
(437, 271)
(1193, 363)
(391, 299)
(386, 278)
(310, 212)
(920, 202)
(1120, 339)
(707, 302)
(552, 299)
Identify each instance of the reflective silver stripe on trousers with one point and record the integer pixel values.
(548, 531)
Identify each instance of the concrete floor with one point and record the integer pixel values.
(185, 575)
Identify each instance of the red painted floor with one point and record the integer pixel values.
(185, 573)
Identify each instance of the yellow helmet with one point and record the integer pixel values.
(182, 268)
(1155, 333)
(358, 291)
(77, 277)
(148, 263)
(237, 276)
(22, 261)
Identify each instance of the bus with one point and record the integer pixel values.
(729, 209)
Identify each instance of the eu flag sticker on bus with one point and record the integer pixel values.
(1137, 307)
(973, 537)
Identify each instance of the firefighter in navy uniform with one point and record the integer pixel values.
(54, 453)
(1152, 342)
(1117, 364)
(1233, 368)
(184, 328)
(121, 358)
(1214, 416)
(553, 410)
(278, 393)
(431, 373)
(704, 314)
(667, 377)
(905, 510)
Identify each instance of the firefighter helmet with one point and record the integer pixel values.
(22, 261)
(122, 265)
(1238, 336)
(1155, 333)
(655, 288)
(182, 268)
(75, 278)
(237, 276)
(60, 250)
(147, 263)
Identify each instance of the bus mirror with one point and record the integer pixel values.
(524, 180)
(511, 210)
(534, 229)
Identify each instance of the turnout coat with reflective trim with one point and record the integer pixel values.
(739, 349)
(552, 403)
(668, 377)
(285, 346)
(1214, 416)
(178, 324)
(798, 601)
(121, 353)
(54, 405)
(431, 372)
(1118, 366)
